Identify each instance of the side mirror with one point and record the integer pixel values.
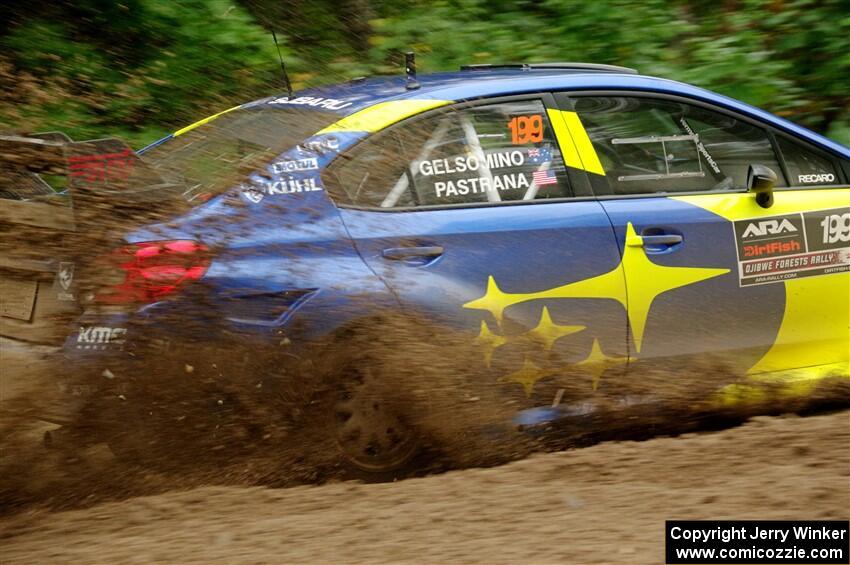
(761, 180)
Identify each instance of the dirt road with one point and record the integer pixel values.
(602, 504)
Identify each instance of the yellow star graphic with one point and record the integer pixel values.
(549, 332)
(489, 341)
(597, 363)
(527, 376)
(646, 281)
(609, 285)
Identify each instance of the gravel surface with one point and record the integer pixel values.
(602, 504)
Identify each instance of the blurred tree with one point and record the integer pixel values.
(135, 68)
(140, 66)
(789, 56)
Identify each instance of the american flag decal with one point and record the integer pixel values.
(541, 178)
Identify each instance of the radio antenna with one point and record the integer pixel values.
(410, 71)
(286, 82)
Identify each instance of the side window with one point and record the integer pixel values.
(484, 154)
(805, 167)
(650, 145)
(367, 176)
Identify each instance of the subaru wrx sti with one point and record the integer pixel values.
(575, 225)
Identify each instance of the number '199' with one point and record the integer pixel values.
(836, 227)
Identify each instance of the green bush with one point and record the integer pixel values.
(142, 67)
(136, 72)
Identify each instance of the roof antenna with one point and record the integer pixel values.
(410, 70)
(286, 82)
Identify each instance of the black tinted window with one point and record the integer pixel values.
(805, 166)
(649, 145)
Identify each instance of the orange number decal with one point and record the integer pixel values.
(526, 129)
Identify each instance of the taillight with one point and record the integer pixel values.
(155, 269)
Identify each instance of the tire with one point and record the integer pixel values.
(366, 430)
(400, 394)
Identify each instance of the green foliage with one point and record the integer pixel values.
(791, 57)
(141, 67)
(136, 71)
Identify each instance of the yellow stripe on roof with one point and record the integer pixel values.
(377, 117)
(204, 121)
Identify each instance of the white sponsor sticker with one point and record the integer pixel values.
(252, 195)
(476, 185)
(821, 178)
(328, 144)
(314, 101)
(466, 163)
(286, 185)
(295, 165)
(768, 227)
(99, 337)
(291, 186)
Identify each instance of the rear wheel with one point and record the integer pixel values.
(369, 428)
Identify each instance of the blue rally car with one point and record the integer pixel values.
(576, 225)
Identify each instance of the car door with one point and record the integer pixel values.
(714, 280)
(469, 216)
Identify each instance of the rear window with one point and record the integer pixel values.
(211, 158)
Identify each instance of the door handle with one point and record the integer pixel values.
(419, 255)
(667, 239)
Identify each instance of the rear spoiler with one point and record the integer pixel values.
(102, 165)
(47, 242)
(105, 179)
